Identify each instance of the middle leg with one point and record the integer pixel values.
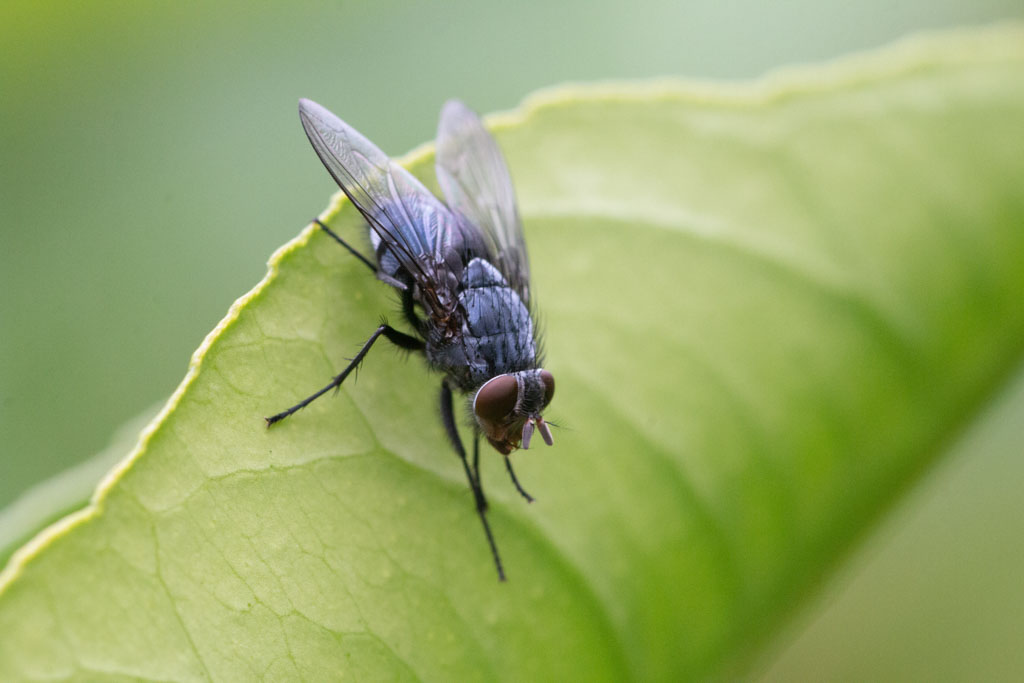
(448, 418)
(396, 337)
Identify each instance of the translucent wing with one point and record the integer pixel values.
(476, 182)
(416, 230)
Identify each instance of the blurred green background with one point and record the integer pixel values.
(151, 159)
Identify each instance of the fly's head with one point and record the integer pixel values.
(508, 408)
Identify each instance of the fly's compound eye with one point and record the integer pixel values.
(496, 398)
(549, 386)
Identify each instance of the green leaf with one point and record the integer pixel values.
(769, 308)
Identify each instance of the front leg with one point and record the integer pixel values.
(515, 481)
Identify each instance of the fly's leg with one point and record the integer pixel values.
(448, 418)
(349, 247)
(476, 465)
(409, 311)
(508, 466)
(400, 339)
(512, 474)
(450, 428)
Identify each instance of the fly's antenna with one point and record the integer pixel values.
(527, 434)
(541, 426)
(545, 433)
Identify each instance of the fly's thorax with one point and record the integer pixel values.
(508, 408)
(496, 334)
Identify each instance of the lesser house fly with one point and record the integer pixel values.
(462, 272)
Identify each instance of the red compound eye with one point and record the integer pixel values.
(549, 386)
(496, 399)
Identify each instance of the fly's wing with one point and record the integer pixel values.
(476, 183)
(417, 229)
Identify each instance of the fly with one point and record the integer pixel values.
(463, 263)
